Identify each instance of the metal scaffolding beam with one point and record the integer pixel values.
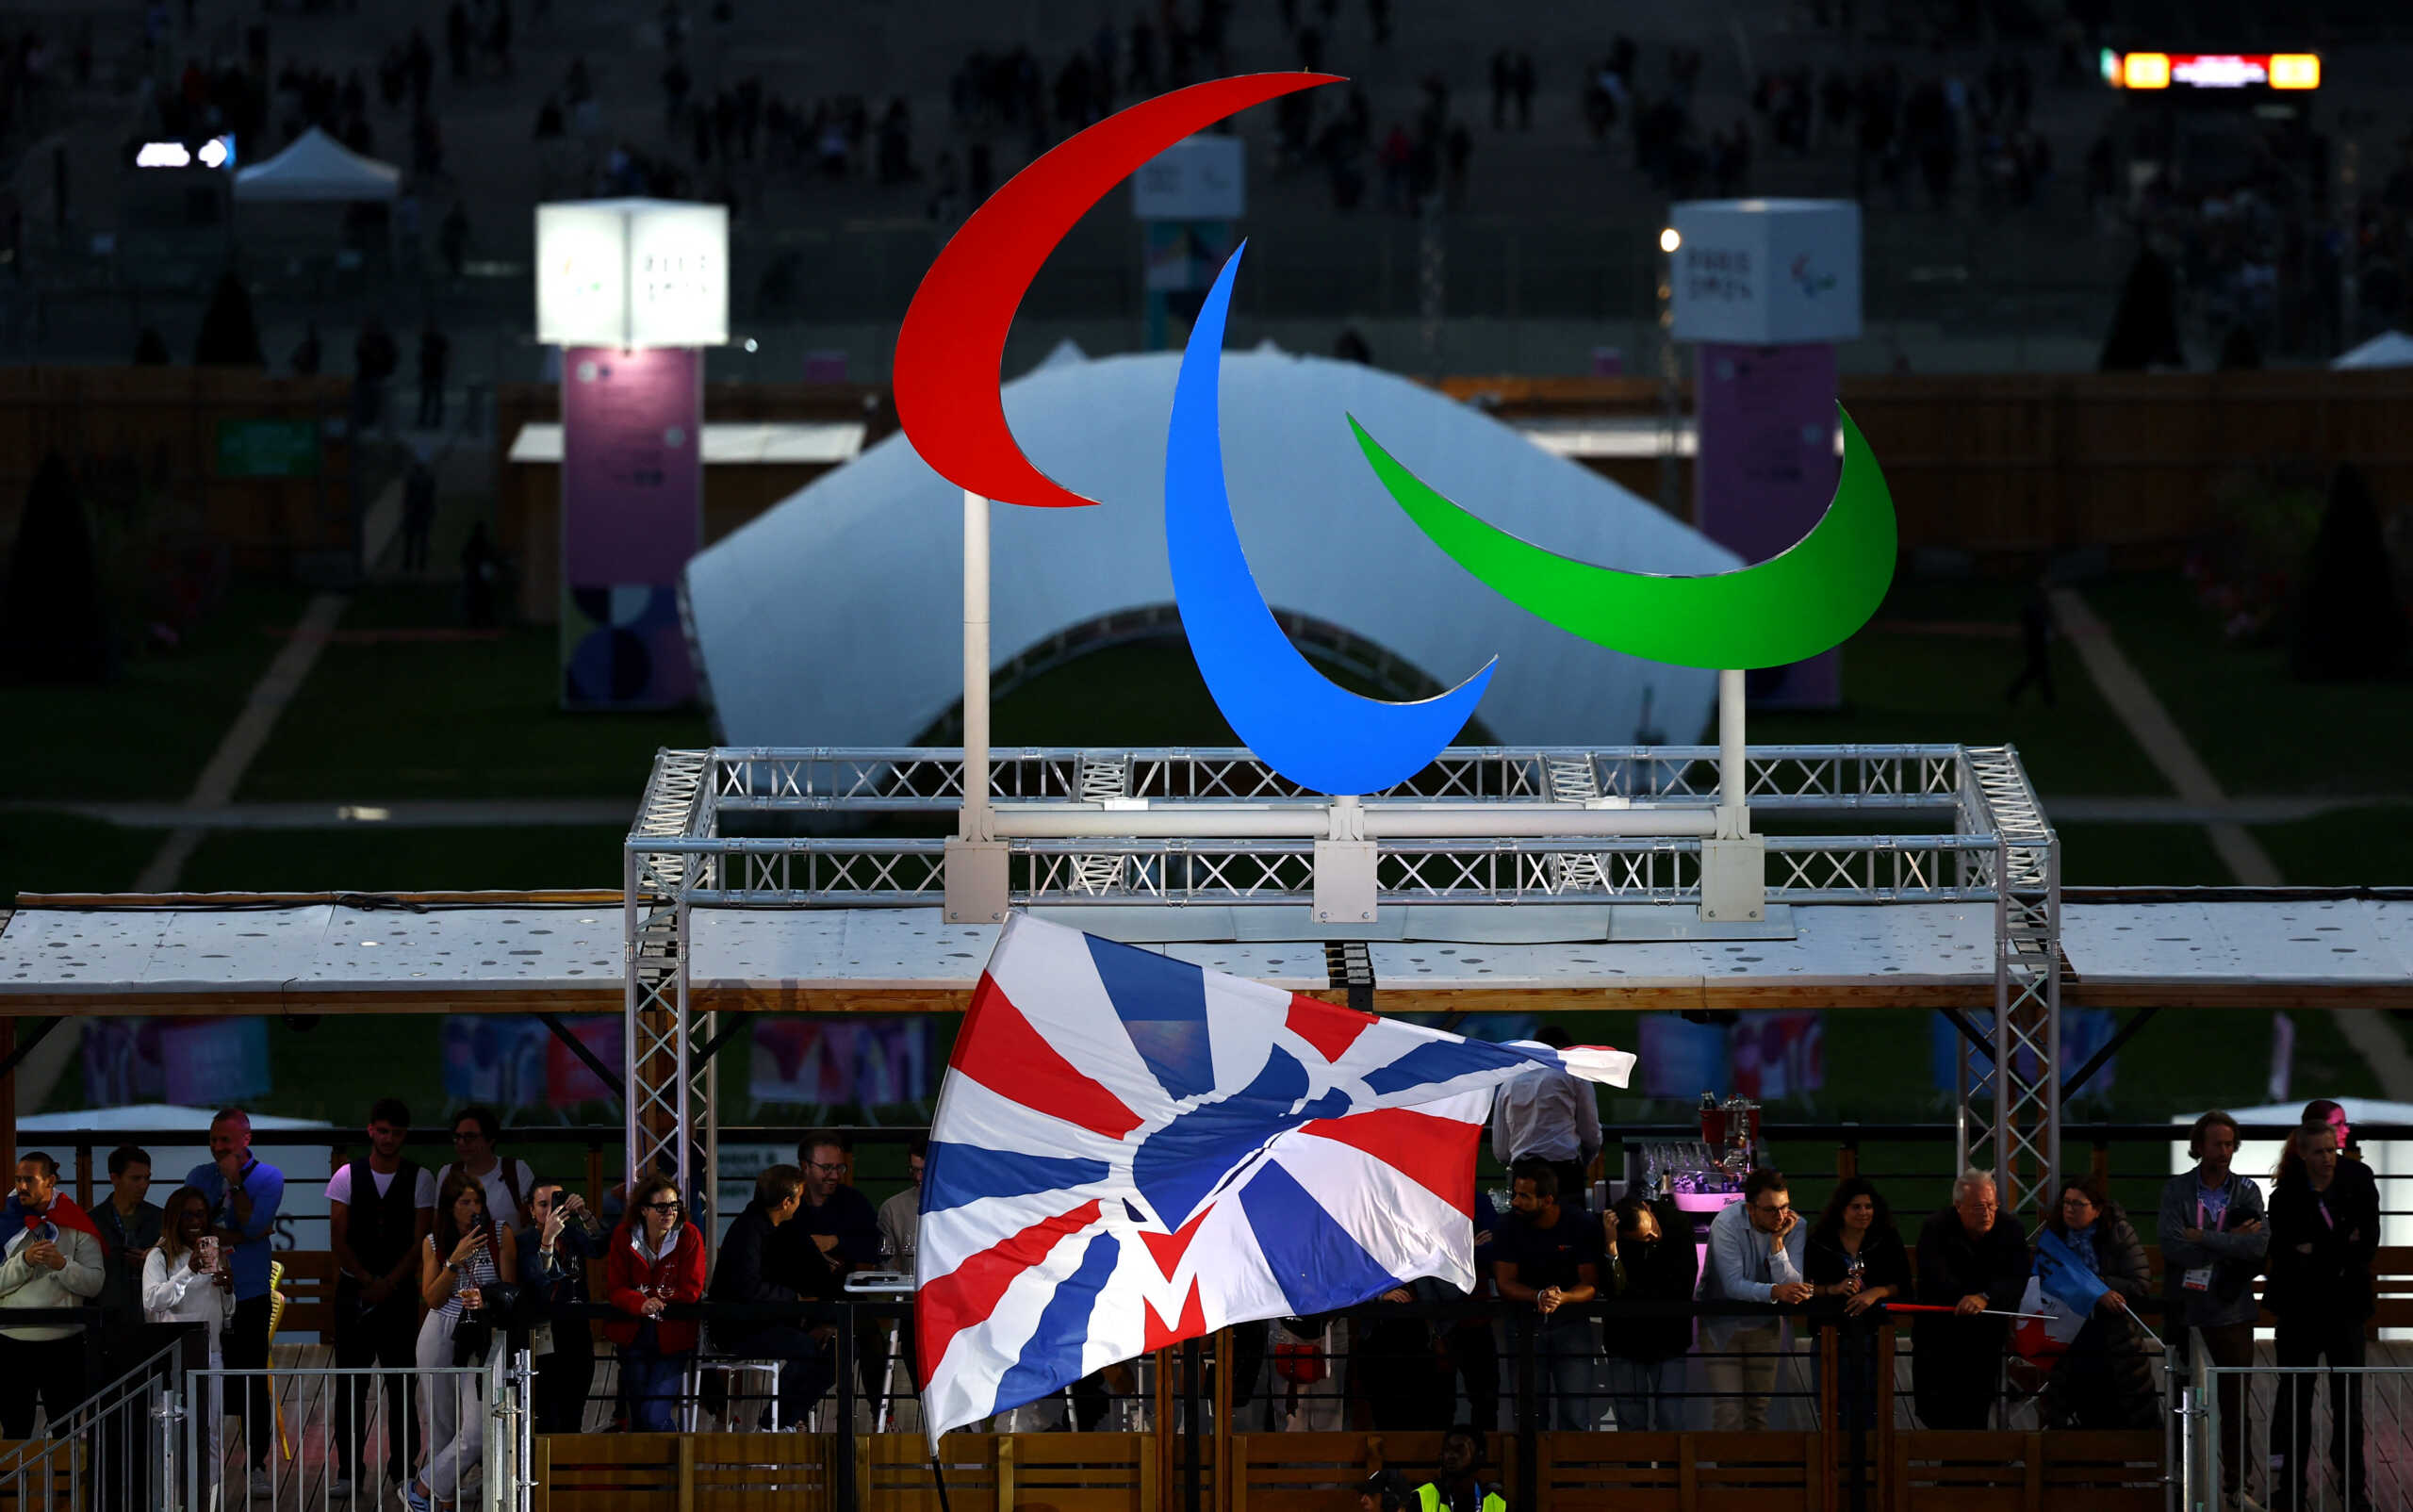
(1182, 827)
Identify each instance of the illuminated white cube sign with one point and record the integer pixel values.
(1765, 272)
(633, 274)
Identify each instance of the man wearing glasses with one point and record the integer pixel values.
(1754, 1255)
(834, 1231)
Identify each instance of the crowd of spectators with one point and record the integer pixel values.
(434, 1269)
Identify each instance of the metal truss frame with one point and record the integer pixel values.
(1998, 847)
(2019, 1140)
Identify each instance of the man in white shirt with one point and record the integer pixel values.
(1754, 1255)
(508, 1183)
(1552, 1117)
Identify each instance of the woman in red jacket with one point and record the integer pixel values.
(655, 1259)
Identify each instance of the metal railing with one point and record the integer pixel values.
(476, 1443)
(103, 1452)
(2311, 1437)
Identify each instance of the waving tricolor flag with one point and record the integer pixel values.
(1130, 1151)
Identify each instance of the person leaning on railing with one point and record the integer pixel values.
(2104, 1379)
(1855, 1254)
(1652, 1258)
(654, 1259)
(1755, 1249)
(2324, 1231)
(1972, 1260)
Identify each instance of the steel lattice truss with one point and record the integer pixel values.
(1995, 846)
(2023, 1143)
(1800, 777)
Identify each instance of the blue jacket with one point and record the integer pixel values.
(266, 1185)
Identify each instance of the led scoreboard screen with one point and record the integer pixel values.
(2211, 71)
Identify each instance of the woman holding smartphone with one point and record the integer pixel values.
(465, 1254)
(184, 1282)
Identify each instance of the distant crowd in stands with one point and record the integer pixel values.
(434, 1269)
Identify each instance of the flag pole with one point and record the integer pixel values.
(1990, 1312)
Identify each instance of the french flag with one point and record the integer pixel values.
(1131, 1150)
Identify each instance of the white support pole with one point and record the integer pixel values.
(1733, 783)
(976, 821)
(978, 869)
(1733, 863)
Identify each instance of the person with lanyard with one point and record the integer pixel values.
(2324, 1231)
(2212, 1245)
(1547, 1257)
(244, 1192)
(465, 1254)
(379, 1213)
(559, 1238)
(1457, 1485)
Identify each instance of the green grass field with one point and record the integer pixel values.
(2258, 728)
(366, 859)
(2350, 847)
(1907, 679)
(452, 719)
(147, 734)
(62, 853)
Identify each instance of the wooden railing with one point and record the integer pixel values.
(1320, 1471)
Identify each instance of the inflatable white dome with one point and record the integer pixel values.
(835, 618)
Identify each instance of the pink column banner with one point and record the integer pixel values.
(633, 487)
(1764, 472)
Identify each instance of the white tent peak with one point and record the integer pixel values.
(2390, 349)
(1062, 353)
(318, 169)
(814, 621)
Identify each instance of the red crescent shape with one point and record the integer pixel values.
(952, 343)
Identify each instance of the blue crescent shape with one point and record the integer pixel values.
(1306, 727)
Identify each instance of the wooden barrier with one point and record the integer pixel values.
(53, 1485)
(1319, 1471)
(2019, 465)
(145, 442)
(1935, 1472)
(1316, 1472)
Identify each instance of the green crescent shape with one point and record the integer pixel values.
(1809, 599)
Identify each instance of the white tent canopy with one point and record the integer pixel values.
(316, 169)
(832, 619)
(2390, 349)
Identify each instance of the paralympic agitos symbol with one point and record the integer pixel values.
(1810, 597)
